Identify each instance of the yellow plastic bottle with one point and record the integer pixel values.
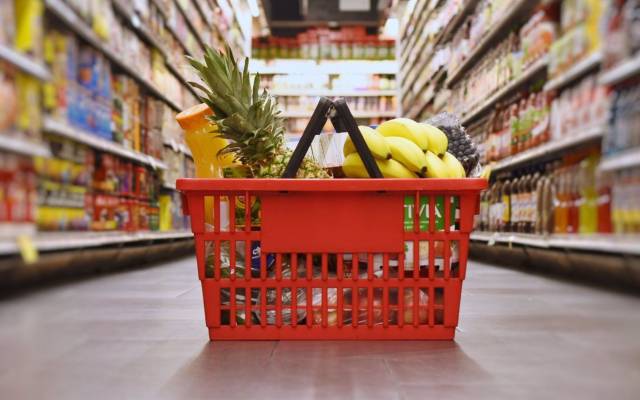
(203, 141)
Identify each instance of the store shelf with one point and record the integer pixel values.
(62, 129)
(408, 55)
(178, 147)
(298, 66)
(456, 21)
(580, 69)
(56, 241)
(621, 244)
(407, 25)
(625, 159)
(425, 96)
(585, 135)
(511, 87)
(80, 27)
(125, 9)
(145, 34)
(503, 23)
(415, 60)
(626, 69)
(410, 68)
(332, 92)
(192, 27)
(15, 144)
(24, 63)
(356, 114)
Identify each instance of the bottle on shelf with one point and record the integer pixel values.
(506, 206)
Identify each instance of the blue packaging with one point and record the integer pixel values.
(256, 252)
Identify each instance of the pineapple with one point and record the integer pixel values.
(250, 120)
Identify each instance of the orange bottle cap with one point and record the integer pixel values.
(194, 117)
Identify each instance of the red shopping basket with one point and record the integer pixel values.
(334, 258)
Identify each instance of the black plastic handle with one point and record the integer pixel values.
(342, 120)
(356, 137)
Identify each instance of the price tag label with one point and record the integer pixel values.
(28, 250)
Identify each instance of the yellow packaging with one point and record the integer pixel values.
(29, 26)
(29, 116)
(165, 205)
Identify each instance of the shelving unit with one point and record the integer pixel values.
(18, 145)
(533, 70)
(71, 19)
(332, 92)
(588, 64)
(551, 148)
(625, 159)
(297, 66)
(415, 53)
(96, 142)
(497, 28)
(57, 241)
(24, 63)
(356, 114)
(618, 244)
(621, 72)
(145, 34)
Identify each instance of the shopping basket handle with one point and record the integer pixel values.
(342, 119)
(349, 123)
(314, 127)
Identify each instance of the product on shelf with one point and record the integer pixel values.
(624, 123)
(506, 62)
(7, 23)
(621, 31)
(17, 189)
(348, 43)
(579, 107)
(580, 23)
(28, 26)
(566, 196)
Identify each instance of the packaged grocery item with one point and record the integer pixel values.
(28, 25)
(7, 23)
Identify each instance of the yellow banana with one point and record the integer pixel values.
(438, 141)
(456, 170)
(435, 166)
(353, 167)
(407, 153)
(406, 128)
(375, 142)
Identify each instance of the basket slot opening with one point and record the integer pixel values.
(232, 213)
(439, 305)
(455, 213)
(244, 210)
(347, 300)
(438, 258)
(454, 258)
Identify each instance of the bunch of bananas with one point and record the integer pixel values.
(403, 148)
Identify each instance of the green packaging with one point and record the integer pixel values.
(409, 202)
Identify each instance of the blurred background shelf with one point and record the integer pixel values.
(620, 244)
(25, 63)
(68, 131)
(57, 241)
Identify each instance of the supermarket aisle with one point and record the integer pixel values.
(140, 334)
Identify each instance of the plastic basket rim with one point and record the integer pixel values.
(324, 185)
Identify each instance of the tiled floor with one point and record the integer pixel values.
(141, 335)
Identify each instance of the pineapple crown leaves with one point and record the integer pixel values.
(250, 120)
